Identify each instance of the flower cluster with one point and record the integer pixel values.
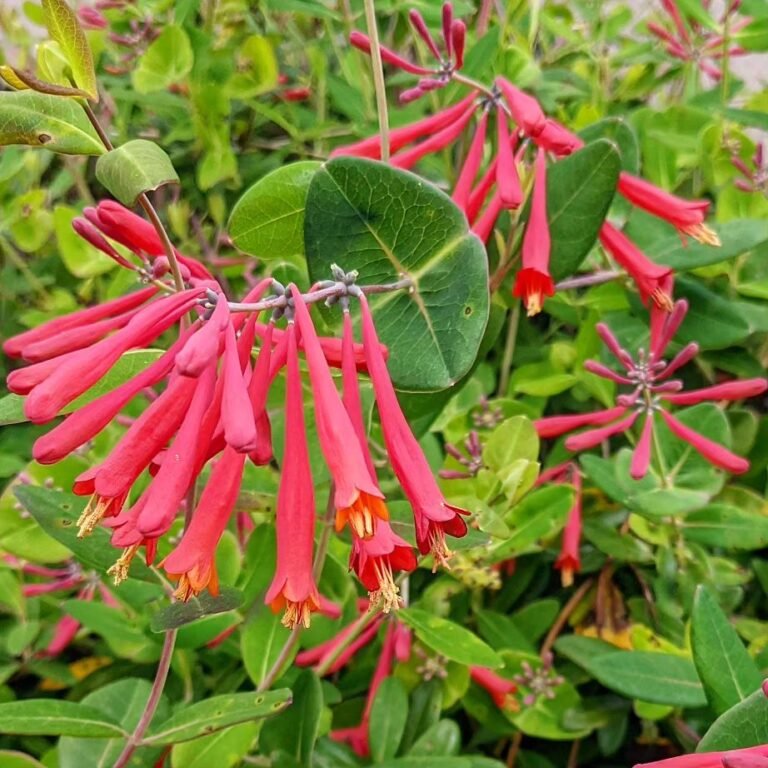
(525, 139)
(749, 757)
(212, 409)
(652, 390)
(695, 43)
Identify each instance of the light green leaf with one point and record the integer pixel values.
(40, 120)
(387, 223)
(268, 220)
(388, 718)
(135, 167)
(168, 60)
(224, 749)
(81, 258)
(63, 26)
(745, 725)
(449, 639)
(55, 717)
(261, 642)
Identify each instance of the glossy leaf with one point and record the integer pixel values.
(40, 120)
(268, 220)
(224, 749)
(727, 671)
(388, 718)
(449, 639)
(745, 725)
(53, 717)
(580, 189)
(261, 642)
(621, 133)
(205, 604)
(64, 27)
(135, 167)
(168, 60)
(217, 712)
(386, 224)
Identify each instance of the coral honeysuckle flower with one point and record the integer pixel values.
(526, 110)
(652, 389)
(193, 562)
(433, 516)
(358, 499)
(500, 688)
(733, 758)
(293, 586)
(653, 281)
(533, 281)
(686, 215)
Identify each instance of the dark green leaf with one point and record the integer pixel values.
(135, 167)
(580, 189)
(217, 712)
(745, 725)
(261, 642)
(727, 671)
(449, 639)
(723, 525)
(268, 220)
(57, 123)
(442, 739)
(621, 133)
(661, 678)
(386, 224)
(388, 718)
(53, 717)
(205, 604)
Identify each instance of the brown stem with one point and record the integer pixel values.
(378, 77)
(564, 615)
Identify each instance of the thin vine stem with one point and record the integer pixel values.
(378, 78)
(158, 684)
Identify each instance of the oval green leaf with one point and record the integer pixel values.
(387, 223)
(268, 220)
(449, 639)
(745, 725)
(580, 189)
(167, 61)
(40, 120)
(63, 26)
(137, 166)
(388, 718)
(53, 717)
(178, 614)
(204, 717)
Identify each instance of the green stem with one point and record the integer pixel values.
(509, 350)
(378, 78)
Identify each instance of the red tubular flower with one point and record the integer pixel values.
(293, 587)
(708, 759)
(484, 225)
(533, 281)
(554, 426)
(318, 655)
(569, 560)
(14, 347)
(88, 421)
(357, 498)
(653, 280)
(593, 437)
(730, 390)
(193, 561)
(686, 215)
(458, 37)
(526, 110)
(507, 179)
(471, 165)
(433, 516)
(479, 194)
(92, 235)
(500, 689)
(417, 20)
(258, 388)
(641, 456)
(236, 409)
(711, 451)
(204, 347)
(363, 43)
(557, 139)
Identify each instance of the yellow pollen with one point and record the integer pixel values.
(296, 614)
(662, 299)
(387, 596)
(703, 234)
(362, 515)
(184, 590)
(92, 515)
(566, 577)
(119, 571)
(440, 552)
(533, 303)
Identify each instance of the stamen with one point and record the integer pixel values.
(119, 571)
(92, 515)
(703, 234)
(440, 552)
(184, 590)
(296, 614)
(387, 596)
(662, 299)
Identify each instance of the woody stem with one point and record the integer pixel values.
(144, 202)
(378, 78)
(163, 667)
(311, 297)
(563, 617)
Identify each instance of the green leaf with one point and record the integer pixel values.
(268, 220)
(55, 717)
(178, 614)
(40, 120)
(621, 133)
(745, 725)
(10, 759)
(57, 515)
(387, 223)
(388, 718)
(727, 526)
(502, 632)
(727, 671)
(540, 515)
(224, 749)
(295, 730)
(217, 712)
(80, 257)
(431, 761)
(661, 678)
(168, 60)
(63, 26)
(442, 739)
(135, 167)
(261, 643)
(620, 546)
(449, 639)
(580, 189)
(125, 702)
(128, 366)
(739, 238)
